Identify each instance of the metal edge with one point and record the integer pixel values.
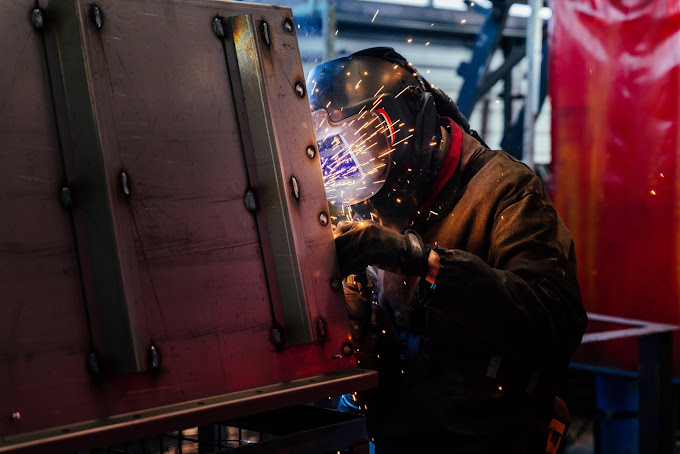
(149, 422)
(271, 194)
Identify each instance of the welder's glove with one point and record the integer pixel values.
(359, 244)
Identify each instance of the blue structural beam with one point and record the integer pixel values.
(486, 43)
(656, 394)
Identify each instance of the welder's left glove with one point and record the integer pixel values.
(359, 244)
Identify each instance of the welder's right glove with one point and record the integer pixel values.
(360, 244)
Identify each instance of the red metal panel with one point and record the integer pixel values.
(191, 261)
(615, 91)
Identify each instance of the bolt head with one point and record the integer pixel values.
(37, 19)
(288, 26)
(276, 337)
(300, 90)
(347, 350)
(311, 152)
(249, 199)
(65, 197)
(93, 364)
(321, 328)
(323, 219)
(295, 187)
(154, 357)
(265, 33)
(218, 27)
(96, 16)
(15, 416)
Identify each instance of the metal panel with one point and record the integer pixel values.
(190, 280)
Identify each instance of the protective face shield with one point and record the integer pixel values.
(377, 132)
(354, 153)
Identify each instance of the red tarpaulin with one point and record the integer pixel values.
(615, 93)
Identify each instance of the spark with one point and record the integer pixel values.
(336, 32)
(298, 26)
(376, 13)
(405, 138)
(427, 43)
(500, 388)
(376, 93)
(365, 73)
(436, 214)
(410, 40)
(384, 332)
(357, 85)
(328, 105)
(415, 74)
(497, 101)
(348, 73)
(379, 181)
(432, 24)
(398, 200)
(411, 130)
(653, 192)
(401, 92)
(395, 66)
(463, 21)
(428, 71)
(386, 153)
(661, 175)
(472, 4)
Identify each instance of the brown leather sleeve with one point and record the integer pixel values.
(524, 300)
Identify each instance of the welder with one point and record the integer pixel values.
(460, 278)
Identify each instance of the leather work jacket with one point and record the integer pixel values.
(471, 364)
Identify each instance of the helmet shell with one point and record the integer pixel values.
(381, 80)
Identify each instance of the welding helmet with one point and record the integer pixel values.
(377, 132)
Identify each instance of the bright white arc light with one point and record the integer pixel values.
(520, 10)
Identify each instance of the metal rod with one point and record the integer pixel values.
(329, 28)
(533, 43)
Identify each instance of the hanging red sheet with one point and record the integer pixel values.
(615, 93)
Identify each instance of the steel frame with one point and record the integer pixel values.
(152, 421)
(655, 392)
